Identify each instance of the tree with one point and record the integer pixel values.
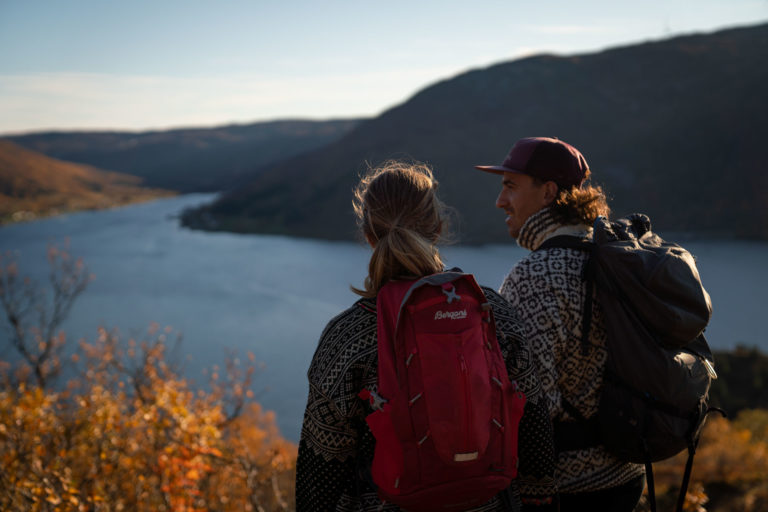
(35, 315)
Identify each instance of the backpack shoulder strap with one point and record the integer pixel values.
(583, 432)
(581, 244)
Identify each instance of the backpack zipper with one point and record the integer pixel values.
(467, 401)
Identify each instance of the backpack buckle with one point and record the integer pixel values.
(376, 401)
(450, 292)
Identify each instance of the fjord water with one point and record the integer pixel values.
(272, 295)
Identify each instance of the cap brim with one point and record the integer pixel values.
(496, 169)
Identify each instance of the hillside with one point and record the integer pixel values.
(189, 160)
(673, 128)
(33, 185)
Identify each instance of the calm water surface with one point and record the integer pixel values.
(273, 295)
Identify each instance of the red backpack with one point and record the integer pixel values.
(446, 415)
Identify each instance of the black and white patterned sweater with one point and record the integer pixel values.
(336, 446)
(548, 291)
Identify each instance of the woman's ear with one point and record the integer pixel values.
(370, 241)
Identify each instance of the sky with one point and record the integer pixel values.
(158, 64)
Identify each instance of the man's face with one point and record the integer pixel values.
(521, 197)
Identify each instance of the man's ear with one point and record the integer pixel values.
(550, 192)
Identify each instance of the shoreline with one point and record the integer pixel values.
(22, 216)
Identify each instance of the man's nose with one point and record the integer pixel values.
(500, 201)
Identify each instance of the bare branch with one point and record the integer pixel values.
(34, 336)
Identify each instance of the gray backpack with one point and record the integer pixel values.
(659, 368)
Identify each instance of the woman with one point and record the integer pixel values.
(402, 219)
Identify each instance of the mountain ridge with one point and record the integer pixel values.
(202, 159)
(672, 128)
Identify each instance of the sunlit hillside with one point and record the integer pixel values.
(33, 185)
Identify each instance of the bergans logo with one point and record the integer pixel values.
(451, 315)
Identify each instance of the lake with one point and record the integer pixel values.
(272, 295)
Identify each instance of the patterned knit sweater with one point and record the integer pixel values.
(548, 291)
(336, 446)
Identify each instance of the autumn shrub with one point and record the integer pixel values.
(132, 434)
(127, 431)
(730, 470)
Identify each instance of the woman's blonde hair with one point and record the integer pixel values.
(399, 214)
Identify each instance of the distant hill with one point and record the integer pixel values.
(33, 185)
(675, 128)
(190, 160)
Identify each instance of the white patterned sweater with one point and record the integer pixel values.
(547, 289)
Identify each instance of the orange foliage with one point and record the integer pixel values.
(730, 470)
(132, 434)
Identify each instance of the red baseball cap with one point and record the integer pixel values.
(546, 158)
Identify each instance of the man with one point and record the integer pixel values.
(544, 195)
